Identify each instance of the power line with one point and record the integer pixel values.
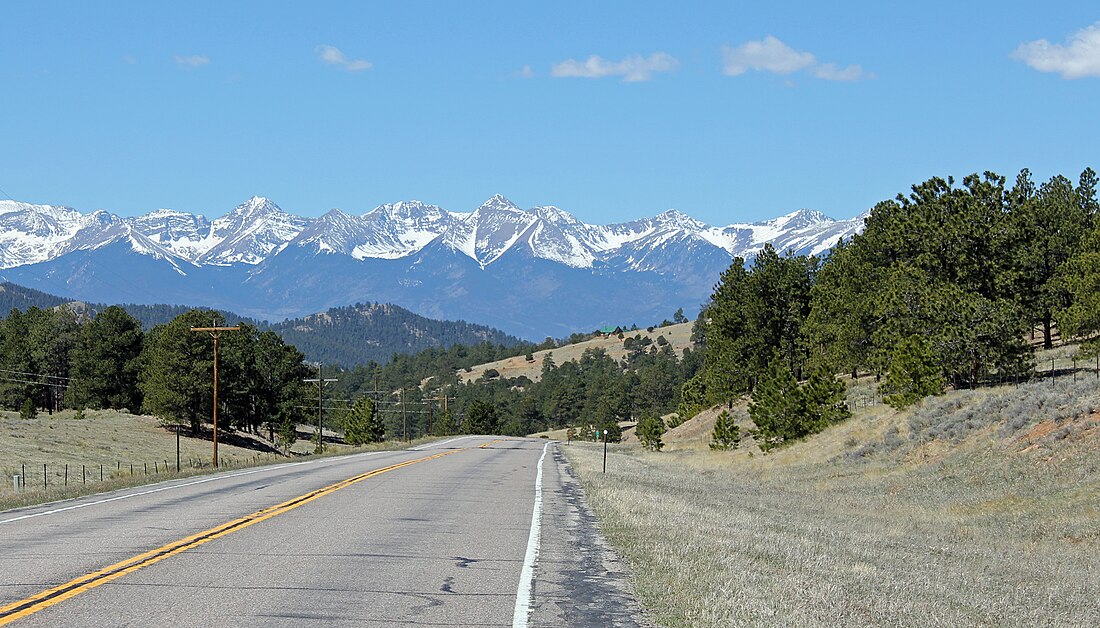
(68, 379)
(23, 381)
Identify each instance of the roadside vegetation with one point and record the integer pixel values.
(128, 450)
(980, 507)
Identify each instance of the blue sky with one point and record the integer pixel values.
(610, 110)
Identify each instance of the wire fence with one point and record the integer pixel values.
(47, 476)
(1057, 371)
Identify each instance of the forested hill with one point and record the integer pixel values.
(375, 331)
(347, 336)
(20, 298)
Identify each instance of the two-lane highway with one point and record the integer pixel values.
(448, 534)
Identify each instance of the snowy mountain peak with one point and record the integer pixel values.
(406, 211)
(801, 219)
(554, 215)
(674, 218)
(499, 203)
(254, 207)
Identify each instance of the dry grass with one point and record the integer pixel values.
(679, 336)
(961, 514)
(116, 441)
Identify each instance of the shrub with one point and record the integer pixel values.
(650, 429)
(28, 411)
(726, 434)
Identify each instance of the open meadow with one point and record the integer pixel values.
(976, 508)
(109, 449)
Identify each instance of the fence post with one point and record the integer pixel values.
(1052, 372)
(66, 474)
(44, 480)
(101, 472)
(83, 475)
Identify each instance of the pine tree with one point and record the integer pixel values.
(177, 376)
(777, 407)
(105, 362)
(28, 412)
(286, 435)
(726, 434)
(359, 421)
(913, 374)
(649, 430)
(376, 427)
(824, 400)
(481, 418)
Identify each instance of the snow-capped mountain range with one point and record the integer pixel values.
(262, 261)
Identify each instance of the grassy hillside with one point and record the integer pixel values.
(679, 336)
(116, 441)
(977, 508)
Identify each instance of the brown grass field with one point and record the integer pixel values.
(679, 336)
(116, 441)
(978, 508)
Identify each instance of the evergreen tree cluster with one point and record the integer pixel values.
(373, 332)
(941, 288)
(593, 393)
(53, 358)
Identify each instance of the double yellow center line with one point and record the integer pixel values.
(60, 593)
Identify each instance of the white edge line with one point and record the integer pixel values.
(175, 486)
(527, 574)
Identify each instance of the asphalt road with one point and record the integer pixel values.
(452, 534)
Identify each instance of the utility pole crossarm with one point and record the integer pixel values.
(320, 380)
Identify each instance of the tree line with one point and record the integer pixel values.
(944, 286)
(592, 393)
(53, 358)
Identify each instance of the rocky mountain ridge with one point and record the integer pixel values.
(262, 261)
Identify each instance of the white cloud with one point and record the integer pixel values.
(632, 69)
(830, 72)
(1078, 58)
(772, 55)
(526, 72)
(128, 60)
(334, 56)
(191, 61)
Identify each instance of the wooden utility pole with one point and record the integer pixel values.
(214, 332)
(321, 381)
(404, 418)
(444, 399)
